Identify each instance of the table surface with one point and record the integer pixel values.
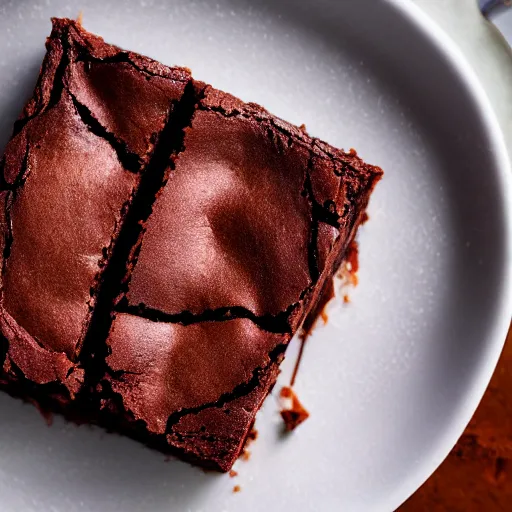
(477, 475)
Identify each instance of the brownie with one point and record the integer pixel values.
(70, 171)
(162, 243)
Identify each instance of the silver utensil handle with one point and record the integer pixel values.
(499, 13)
(493, 6)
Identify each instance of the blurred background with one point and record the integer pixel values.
(477, 475)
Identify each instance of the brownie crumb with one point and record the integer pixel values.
(233, 473)
(286, 392)
(252, 436)
(350, 266)
(237, 488)
(346, 299)
(352, 257)
(296, 414)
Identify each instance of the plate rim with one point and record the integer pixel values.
(450, 52)
(447, 51)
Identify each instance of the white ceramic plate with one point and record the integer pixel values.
(393, 378)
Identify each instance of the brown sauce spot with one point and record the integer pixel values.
(317, 311)
(286, 392)
(296, 414)
(252, 435)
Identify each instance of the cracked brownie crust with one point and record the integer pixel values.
(162, 242)
(69, 177)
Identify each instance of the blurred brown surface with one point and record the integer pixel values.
(477, 475)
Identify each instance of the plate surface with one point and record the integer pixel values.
(393, 377)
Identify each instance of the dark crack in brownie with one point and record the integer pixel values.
(70, 174)
(162, 243)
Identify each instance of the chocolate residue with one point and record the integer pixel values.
(349, 267)
(45, 413)
(351, 262)
(251, 436)
(286, 392)
(310, 322)
(302, 337)
(237, 488)
(233, 473)
(245, 454)
(318, 310)
(296, 414)
(348, 275)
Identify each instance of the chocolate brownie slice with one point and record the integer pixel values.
(252, 222)
(163, 242)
